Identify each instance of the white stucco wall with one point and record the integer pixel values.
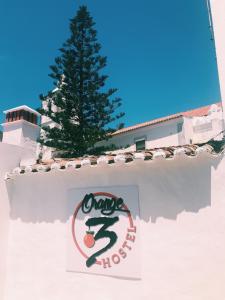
(218, 16)
(202, 129)
(12, 133)
(9, 158)
(182, 232)
(18, 132)
(159, 135)
(193, 130)
(30, 131)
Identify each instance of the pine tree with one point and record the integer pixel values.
(84, 110)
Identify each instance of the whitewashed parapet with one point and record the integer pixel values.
(112, 159)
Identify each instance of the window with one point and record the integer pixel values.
(140, 145)
(179, 127)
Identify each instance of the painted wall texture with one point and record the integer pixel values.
(19, 132)
(15, 153)
(182, 225)
(180, 131)
(218, 18)
(159, 135)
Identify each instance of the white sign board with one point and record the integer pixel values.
(103, 231)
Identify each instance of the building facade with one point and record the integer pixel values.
(173, 247)
(163, 208)
(166, 229)
(191, 127)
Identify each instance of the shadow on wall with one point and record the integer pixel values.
(166, 188)
(175, 188)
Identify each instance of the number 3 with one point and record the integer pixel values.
(102, 233)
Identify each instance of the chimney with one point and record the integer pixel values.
(21, 126)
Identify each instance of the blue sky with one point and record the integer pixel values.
(160, 55)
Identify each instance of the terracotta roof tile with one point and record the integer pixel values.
(145, 124)
(112, 159)
(198, 112)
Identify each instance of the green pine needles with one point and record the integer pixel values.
(80, 107)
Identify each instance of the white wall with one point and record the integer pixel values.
(18, 132)
(182, 232)
(218, 15)
(202, 129)
(9, 158)
(12, 133)
(166, 134)
(30, 131)
(159, 135)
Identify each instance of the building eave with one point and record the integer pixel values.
(165, 153)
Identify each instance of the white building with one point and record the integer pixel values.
(191, 127)
(167, 206)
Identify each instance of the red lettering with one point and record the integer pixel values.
(133, 229)
(122, 253)
(130, 237)
(116, 259)
(125, 245)
(106, 263)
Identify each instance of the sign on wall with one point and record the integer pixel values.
(103, 231)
